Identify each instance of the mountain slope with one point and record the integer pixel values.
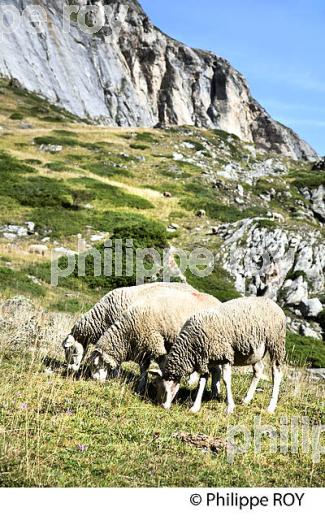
(131, 74)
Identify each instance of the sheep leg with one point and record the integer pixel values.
(257, 374)
(276, 377)
(215, 383)
(198, 400)
(226, 374)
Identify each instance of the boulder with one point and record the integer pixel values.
(294, 291)
(319, 165)
(308, 332)
(310, 308)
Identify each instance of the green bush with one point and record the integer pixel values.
(60, 140)
(139, 146)
(147, 234)
(56, 166)
(308, 179)
(147, 137)
(219, 284)
(106, 169)
(10, 165)
(270, 225)
(37, 192)
(16, 116)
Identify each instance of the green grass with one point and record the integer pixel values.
(202, 197)
(310, 180)
(145, 234)
(9, 165)
(219, 284)
(61, 432)
(12, 280)
(305, 351)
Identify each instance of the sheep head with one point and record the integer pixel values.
(166, 389)
(102, 366)
(74, 352)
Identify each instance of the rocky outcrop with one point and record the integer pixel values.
(271, 261)
(319, 165)
(131, 74)
(316, 197)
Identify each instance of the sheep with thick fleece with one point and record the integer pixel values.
(146, 332)
(92, 325)
(239, 332)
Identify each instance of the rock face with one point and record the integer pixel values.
(285, 266)
(131, 74)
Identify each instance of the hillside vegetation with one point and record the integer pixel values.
(70, 178)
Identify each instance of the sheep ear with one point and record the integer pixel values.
(155, 371)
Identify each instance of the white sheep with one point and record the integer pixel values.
(239, 332)
(38, 249)
(146, 332)
(90, 327)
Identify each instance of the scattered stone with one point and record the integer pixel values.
(317, 373)
(201, 213)
(51, 148)
(33, 279)
(239, 201)
(240, 190)
(167, 194)
(97, 238)
(172, 227)
(265, 196)
(178, 156)
(214, 230)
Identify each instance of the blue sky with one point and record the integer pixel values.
(279, 46)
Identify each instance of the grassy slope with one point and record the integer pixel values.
(47, 421)
(130, 441)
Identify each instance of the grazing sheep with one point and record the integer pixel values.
(38, 249)
(239, 332)
(90, 327)
(146, 332)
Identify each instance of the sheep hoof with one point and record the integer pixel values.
(230, 409)
(271, 409)
(194, 409)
